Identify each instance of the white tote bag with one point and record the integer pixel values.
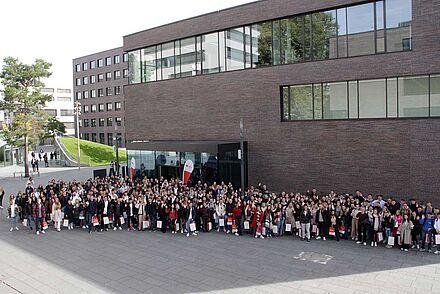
(391, 241)
(209, 226)
(437, 239)
(65, 223)
(159, 224)
(221, 222)
(145, 224)
(105, 220)
(246, 225)
(192, 227)
(275, 229)
(298, 225)
(122, 220)
(288, 227)
(177, 227)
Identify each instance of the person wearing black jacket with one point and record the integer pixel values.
(305, 218)
(322, 219)
(364, 225)
(2, 194)
(68, 214)
(92, 211)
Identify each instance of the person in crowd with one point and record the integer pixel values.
(13, 213)
(2, 194)
(304, 219)
(56, 214)
(39, 213)
(141, 203)
(405, 232)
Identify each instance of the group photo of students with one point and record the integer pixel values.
(168, 206)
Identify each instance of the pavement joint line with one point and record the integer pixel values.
(10, 286)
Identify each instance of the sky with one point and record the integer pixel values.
(61, 30)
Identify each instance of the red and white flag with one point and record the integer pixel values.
(132, 167)
(187, 170)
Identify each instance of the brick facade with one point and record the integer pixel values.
(391, 156)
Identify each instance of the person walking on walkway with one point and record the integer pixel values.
(2, 194)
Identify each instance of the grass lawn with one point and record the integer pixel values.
(92, 153)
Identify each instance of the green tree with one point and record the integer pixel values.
(53, 125)
(24, 102)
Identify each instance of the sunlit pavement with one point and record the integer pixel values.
(145, 262)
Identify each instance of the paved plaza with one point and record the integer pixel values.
(145, 262)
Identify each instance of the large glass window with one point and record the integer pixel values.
(372, 99)
(149, 64)
(262, 44)
(342, 32)
(369, 28)
(168, 61)
(301, 102)
(435, 95)
(398, 23)
(392, 97)
(324, 35)
(361, 29)
(413, 96)
(188, 57)
(286, 103)
(380, 27)
(335, 100)
(353, 105)
(210, 53)
(234, 49)
(317, 101)
(134, 64)
(288, 40)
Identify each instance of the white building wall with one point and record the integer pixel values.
(62, 104)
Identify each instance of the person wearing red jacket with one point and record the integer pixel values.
(237, 212)
(172, 214)
(39, 213)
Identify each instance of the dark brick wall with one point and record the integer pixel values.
(106, 99)
(395, 157)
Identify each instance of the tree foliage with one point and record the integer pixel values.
(23, 100)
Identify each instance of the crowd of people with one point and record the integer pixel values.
(144, 204)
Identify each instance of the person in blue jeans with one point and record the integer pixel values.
(427, 230)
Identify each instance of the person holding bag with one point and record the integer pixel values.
(405, 232)
(13, 213)
(56, 211)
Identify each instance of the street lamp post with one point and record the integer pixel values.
(242, 155)
(77, 114)
(115, 139)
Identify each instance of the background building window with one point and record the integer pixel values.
(108, 91)
(92, 79)
(125, 73)
(335, 100)
(92, 64)
(361, 29)
(86, 122)
(109, 121)
(118, 106)
(85, 108)
(117, 74)
(93, 122)
(93, 93)
(372, 98)
(109, 106)
(262, 44)
(85, 94)
(100, 77)
(101, 107)
(78, 82)
(110, 139)
(100, 62)
(398, 25)
(118, 121)
(435, 95)
(101, 122)
(235, 49)
(77, 67)
(108, 76)
(413, 96)
(134, 64)
(168, 61)
(85, 66)
(93, 108)
(85, 80)
(100, 92)
(125, 57)
(117, 90)
(93, 137)
(66, 112)
(78, 95)
(51, 112)
(301, 102)
(102, 138)
(116, 59)
(108, 61)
